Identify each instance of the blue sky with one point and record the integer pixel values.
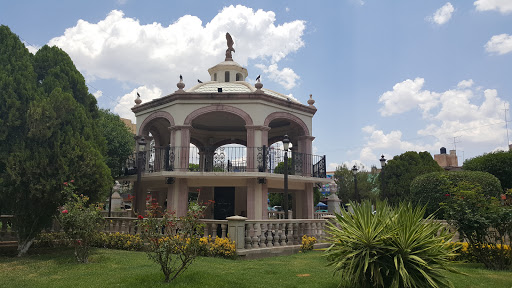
(387, 76)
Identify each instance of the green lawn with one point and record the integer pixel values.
(115, 268)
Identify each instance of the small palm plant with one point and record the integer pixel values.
(392, 247)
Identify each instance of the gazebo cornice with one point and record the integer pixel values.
(223, 97)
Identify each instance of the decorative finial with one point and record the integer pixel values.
(311, 101)
(138, 101)
(180, 85)
(258, 84)
(230, 43)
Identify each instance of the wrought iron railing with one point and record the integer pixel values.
(225, 159)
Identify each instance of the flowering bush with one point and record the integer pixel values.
(307, 243)
(173, 242)
(119, 241)
(81, 222)
(466, 253)
(222, 247)
(52, 240)
(483, 222)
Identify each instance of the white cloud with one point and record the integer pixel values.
(504, 6)
(126, 102)
(122, 48)
(287, 9)
(473, 115)
(98, 94)
(442, 15)
(500, 44)
(332, 166)
(406, 96)
(286, 76)
(474, 123)
(465, 84)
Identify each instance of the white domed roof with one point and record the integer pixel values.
(235, 87)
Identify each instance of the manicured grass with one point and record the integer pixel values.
(115, 268)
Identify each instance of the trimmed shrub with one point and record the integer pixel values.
(395, 247)
(308, 243)
(497, 163)
(431, 189)
(119, 241)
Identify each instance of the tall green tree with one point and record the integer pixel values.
(120, 143)
(396, 177)
(367, 185)
(17, 89)
(48, 136)
(497, 163)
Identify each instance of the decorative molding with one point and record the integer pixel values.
(218, 108)
(155, 115)
(222, 97)
(288, 116)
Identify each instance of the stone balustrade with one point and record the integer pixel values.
(320, 215)
(214, 228)
(276, 233)
(126, 225)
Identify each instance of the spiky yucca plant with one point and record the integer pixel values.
(392, 247)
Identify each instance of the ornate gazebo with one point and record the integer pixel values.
(215, 141)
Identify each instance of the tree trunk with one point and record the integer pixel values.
(23, 246)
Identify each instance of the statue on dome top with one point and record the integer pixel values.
(230, 47)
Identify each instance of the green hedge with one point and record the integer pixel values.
(431, 189)
(497, 163)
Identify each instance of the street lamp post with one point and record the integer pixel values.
(354, 171)
(140, 163)
(382, 161)
(286, 145)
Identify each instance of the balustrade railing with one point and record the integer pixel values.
(225, 159)
(276, 233)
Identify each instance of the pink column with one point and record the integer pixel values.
(250, 150)
(264, 195)
(251, 194)
(182, 198)
(306, 147)
(183, 151)
(307, 204)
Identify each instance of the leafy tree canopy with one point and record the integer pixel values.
(119, 139)
(367, 184)
(497, 163)
(396, 177)
(431, 189)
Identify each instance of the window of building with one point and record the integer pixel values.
(215, 77)
(226, 76)
(238, 77)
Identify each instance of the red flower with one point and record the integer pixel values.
(447, 195)
(72, 181)
(66, 183)
(64, 211)
(140, 217)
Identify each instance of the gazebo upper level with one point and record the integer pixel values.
(189, 130)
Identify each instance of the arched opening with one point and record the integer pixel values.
(221, 140)
(239, 77)
(226, 76)
(215, 77)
